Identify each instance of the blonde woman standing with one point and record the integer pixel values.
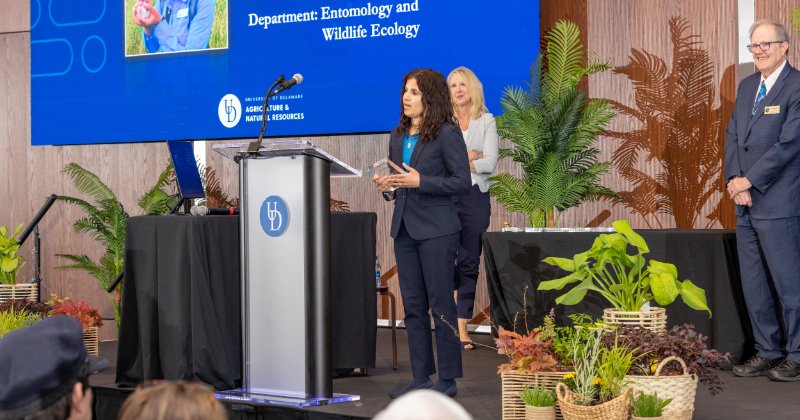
(480, 134)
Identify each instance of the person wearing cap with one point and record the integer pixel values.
(45, 370)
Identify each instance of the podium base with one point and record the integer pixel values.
(242, 395)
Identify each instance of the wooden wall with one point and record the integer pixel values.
(611, 28)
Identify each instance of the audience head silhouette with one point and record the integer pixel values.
(182, 400)
(45, 370)
(424, 405)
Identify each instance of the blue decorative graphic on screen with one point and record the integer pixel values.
(127, 71)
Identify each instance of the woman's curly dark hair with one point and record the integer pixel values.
(436, 106)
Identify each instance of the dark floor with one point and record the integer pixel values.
(479, 390)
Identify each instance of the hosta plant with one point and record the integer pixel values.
(627, 281)
(10, 262)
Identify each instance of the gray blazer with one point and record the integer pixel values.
(482, 137)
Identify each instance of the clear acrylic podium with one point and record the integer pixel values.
(285, 269)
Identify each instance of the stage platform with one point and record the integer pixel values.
(479, 390)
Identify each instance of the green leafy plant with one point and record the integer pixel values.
(105, 220)
(626, 281)
(649, 405)
(600, 367)
(10, 262)
(552, 126)
(586, 356)
(15, 319)
(538, 396)
(564, 339)
(159, 199)
(614, 364)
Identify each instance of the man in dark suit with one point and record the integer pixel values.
(762, 170)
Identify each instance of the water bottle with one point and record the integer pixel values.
(377, 272)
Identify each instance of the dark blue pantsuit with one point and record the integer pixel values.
(425, 229)
(426, 282)
(474, 211)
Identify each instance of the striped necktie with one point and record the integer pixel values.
(762, 92)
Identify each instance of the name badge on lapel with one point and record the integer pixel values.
(772, 109)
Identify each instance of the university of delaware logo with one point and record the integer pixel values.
(229, 110)
(274, 216)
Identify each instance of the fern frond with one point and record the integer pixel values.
(88, 183)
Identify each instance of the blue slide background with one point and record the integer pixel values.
(84, 90)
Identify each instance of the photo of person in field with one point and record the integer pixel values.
(158, 26)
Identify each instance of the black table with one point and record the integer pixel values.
(707, 257)
(181, 298)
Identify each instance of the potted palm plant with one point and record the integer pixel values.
(105, 220)
(10, 265)
(627, 282)
(552, 125)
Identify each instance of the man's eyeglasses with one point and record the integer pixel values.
(764, 46)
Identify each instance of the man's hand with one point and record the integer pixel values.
(409, 179)
(743, 199)
(737, 186)
(153, 18)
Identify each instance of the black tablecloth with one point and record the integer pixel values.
(707, 257)
(181, 298)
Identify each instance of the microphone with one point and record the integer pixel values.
(283, 84)
(295, 80)
(211, 211)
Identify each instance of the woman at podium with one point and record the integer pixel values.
(430, 157)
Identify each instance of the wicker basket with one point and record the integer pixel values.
(654, 320)
(681, 389)
(91, 340)
(18, 291)
(514, 384)
(616, 409)
(539, 413)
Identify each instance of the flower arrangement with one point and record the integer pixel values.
(681, 341)
(79, 310)
(628, 282)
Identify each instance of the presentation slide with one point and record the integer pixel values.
(123, 71)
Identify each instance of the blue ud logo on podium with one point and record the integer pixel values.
(274, 216)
